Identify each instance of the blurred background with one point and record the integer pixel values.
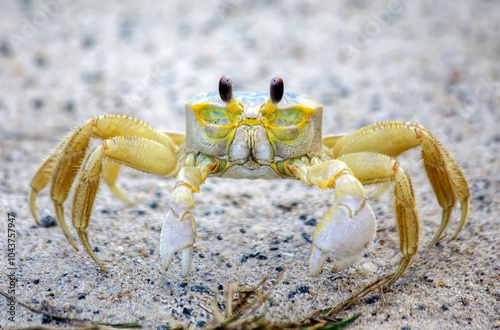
(436, 63)
(387, 60)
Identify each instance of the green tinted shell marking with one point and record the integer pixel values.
(250, 135)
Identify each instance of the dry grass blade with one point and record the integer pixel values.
(324, 317)
(369, 289)
(47, 311)
(242, 303)
(242, 313)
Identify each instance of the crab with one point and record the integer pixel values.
(243, 135)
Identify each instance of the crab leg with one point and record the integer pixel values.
(179, 229)
(329, 143)
(61, 167)
(40, 180)
(394, 138)
(141, 154)
(110, 172)
(372, 168)
(349, 226)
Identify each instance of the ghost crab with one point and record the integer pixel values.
(272, 135)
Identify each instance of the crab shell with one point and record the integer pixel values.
(249, 143)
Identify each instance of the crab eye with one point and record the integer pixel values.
(226, 89)
(276, 90)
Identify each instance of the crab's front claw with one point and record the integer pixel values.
(179, 230)
(342, 235)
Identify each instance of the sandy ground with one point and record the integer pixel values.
(62, 62)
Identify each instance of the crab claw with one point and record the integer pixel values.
(343, 235)
(179, 230)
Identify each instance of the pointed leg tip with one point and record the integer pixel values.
(33, 196)
(62, 223)
(432, 243)
(99, 263)
(70, 239)
(82, 234)
(121, 195)
(73, 244)
(463, 219)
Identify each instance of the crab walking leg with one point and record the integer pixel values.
(138, 153)
(40, 180)
(349, 226)
(61, 167)
(110, 172)
(373, 168)
(394, 138)
(177, 138)
(179, 229)
(329, 143)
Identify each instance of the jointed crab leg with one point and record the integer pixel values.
(393, 138)
(61, 168)
(179, 229)
(349, 226)
(110, 172)
(372, 168)
(40, 180)
(62, 165)
(141, 154)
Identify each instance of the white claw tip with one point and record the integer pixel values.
(166, 259)
(317, 261)
(187, 258)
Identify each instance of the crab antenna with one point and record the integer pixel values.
(226, 93)
(276, 91)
